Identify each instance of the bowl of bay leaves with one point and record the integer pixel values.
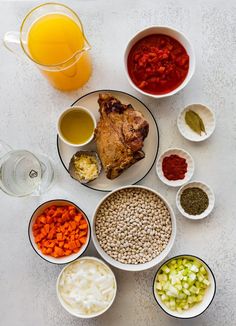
(196, 122)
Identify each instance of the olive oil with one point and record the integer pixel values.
(77, 126)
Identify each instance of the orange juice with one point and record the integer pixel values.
(55, 41)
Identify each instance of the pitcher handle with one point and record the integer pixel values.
(11, 41)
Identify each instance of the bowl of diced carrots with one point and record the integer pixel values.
(59, 231)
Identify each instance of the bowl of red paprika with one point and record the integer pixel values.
(159, 61)
(175, 167)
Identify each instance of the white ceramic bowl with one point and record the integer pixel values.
(74, 108)
(50, 259)
(67, 308)
(197, 309)
(181, 38)
(133, 267)
(207, 116)
(190, 168)
(209, 193)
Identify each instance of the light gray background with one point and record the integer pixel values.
(28, 111)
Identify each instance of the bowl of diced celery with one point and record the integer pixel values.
(184, 286)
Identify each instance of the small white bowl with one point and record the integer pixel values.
(60, 260)
(197, 309)
(209, 193)
(133, 267)
(207, 116)
(74, 108)
(190, 168)
(67, 308)
(181, 38)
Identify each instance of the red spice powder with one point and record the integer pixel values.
(174, 167)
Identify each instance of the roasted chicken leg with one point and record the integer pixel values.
(119, 135)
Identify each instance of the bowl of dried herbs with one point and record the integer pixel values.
(195, 200)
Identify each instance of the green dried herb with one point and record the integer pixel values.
(194, 201)
(195, 122)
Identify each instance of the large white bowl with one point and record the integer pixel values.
(71, 311)
(197, 309)
(133, 267)
(181, 38)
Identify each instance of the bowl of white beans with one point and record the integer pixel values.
(133, 228)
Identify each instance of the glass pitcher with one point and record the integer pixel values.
(52, 36)
(22, 173)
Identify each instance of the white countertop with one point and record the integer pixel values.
(29, 109)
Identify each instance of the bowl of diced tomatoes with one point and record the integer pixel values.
(159, 61)
(59, 231)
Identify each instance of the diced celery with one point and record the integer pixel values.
(158, 286)
(206, 282)
(197, 263)
(178, 287)
(194, 268)
(186, 285)
(165, 269)
(199, 298)
(164, 297)
(193, 289)
(192, 276)
(203, 270)
(186, 291)
(181, 283)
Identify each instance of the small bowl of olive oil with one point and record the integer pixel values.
(76, 126)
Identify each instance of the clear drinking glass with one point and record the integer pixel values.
(22, 173)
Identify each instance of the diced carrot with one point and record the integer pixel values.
(47, 228)
(59, 229)
(61, 244)
(82, 233)
(83, 226)
(83, 240)
(78, 217)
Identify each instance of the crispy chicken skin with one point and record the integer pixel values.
(119, 135)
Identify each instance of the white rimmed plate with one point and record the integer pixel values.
(207, 116)
(190, 168)
(137, 171)
(209, 193)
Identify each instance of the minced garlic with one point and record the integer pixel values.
(86, 167)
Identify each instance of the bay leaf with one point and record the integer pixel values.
(192, 119)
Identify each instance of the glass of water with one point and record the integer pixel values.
(22, 173)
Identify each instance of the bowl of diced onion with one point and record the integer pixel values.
(86, 288)
(184, 286)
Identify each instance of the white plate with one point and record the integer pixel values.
(137, 171)
(207, 116)
(209, 193)
(190, 168)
